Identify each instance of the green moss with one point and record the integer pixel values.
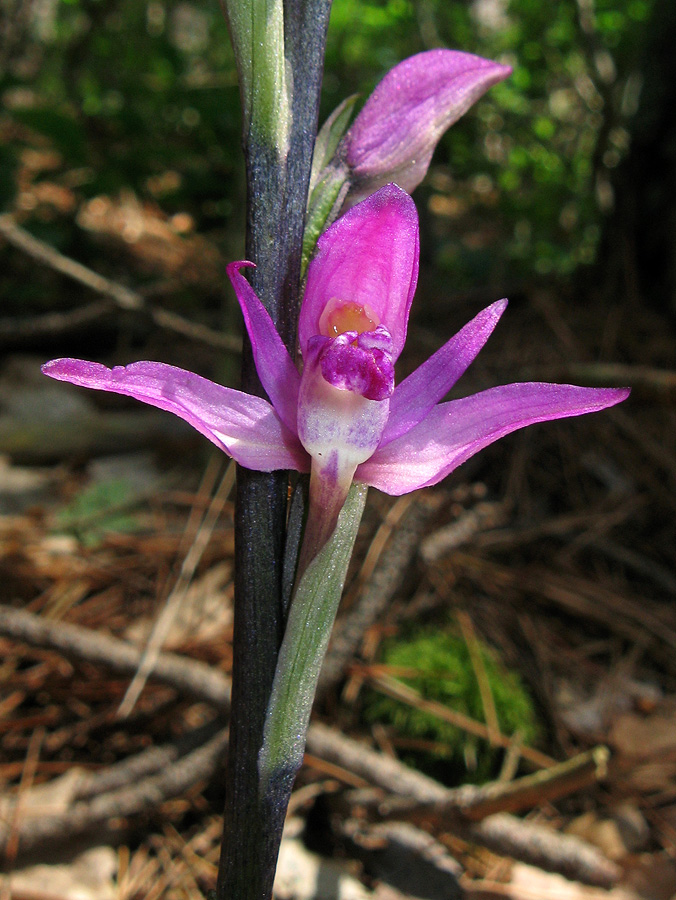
(437, 663)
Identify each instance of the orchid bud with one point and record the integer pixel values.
(394, 135)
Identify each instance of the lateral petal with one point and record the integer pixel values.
(413, 399)
(274, 365)
(245, 427)
(455, 431)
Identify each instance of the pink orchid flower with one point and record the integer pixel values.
(342, 418)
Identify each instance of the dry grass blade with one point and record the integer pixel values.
(395, 689)
(13, 838)
(166, 618)
(490, 712)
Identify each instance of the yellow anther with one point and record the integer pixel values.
(340, 316)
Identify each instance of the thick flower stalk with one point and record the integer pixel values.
(342, 418)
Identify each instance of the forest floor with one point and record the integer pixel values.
(556, 548)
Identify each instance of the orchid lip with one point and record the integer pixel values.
(357, 362)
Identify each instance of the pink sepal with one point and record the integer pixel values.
(453, 432)
(413, 399)
(274, 365)
(246, 427)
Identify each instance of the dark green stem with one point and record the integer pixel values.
(276, 203)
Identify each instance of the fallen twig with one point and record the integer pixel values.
(540, 846)
(405, 857)
(14, 330)
(502, 833)
(190, 677)
(478, 802)
(121, 296)
(171, 780)
(483, 516)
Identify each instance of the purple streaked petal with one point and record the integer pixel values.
(245, 427)
(369, 257)
(421, 391)
(276, 370)
(394, 135)
(455, 431)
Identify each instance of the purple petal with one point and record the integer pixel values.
(421, 391)
(245, 427)
(394, 136)
(275, 368)
(454, 431)
(369, 257)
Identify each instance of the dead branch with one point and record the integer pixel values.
(143, 765)
(503, 833)
(475, 803)
(131, 799)
(48, 256)
(374, 768)
(405, 857)
(481, 517)
(13, 329)
(189, 677)
(88, 434)
(121, 296)
(540, 846)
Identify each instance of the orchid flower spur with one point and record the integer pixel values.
(342, 418)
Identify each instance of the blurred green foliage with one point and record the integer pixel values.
(438, 664)
(127, 91)
(143, 95)
(102, 508)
